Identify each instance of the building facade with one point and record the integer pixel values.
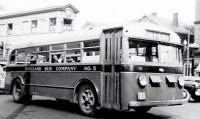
(49, 20)
(46, 20)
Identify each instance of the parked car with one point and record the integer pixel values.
(192, 85)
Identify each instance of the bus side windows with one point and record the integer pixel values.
(91, 51)
(31, 58)
(73, 56)
(57, 58)
(21, 57)
(43, 57)
(13, 57)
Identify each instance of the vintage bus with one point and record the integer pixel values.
(135, 66)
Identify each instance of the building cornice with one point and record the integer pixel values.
(39, 11)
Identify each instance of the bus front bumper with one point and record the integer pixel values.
(156, 103)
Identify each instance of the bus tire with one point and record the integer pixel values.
(195, 98)
(87, 100)
(19, 93)
(142, 109)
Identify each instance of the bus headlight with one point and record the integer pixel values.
(181, 81)
(142, 80)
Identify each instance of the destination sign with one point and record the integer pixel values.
(157, 35)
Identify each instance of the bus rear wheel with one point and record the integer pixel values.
(19, 93)
(87, 100)
(142, 109)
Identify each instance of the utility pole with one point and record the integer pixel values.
(188, 54)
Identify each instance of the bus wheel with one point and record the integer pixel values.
(195, 98)
(87, 100)
(19, 94)
(142, 109)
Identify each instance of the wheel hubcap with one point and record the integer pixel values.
(87, 100)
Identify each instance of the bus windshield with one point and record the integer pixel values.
(144, 51)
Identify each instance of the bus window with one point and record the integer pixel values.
(57, 58)
(12, 57)
(73, 56)
(21, 57)
(91, 51)
(44, 48)
(73, 45)
(43, 57)
(73, 53)
(32, 58)
(143, 51)
(169, 54)
(58, 47)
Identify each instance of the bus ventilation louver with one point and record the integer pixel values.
(155, 81)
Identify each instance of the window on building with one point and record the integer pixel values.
(52, 24)
(26, 27)
(67, 21)
(52, 21)
(10, 28)
(34, 23)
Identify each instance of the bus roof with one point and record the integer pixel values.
(51, 38)
(136, 30)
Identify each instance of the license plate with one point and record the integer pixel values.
(141, 96)
(197, 92)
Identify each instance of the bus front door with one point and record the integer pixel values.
(111, 55)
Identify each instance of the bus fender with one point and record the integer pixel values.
(15, 78)
(20, 78)
(82, 82)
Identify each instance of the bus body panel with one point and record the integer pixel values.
(60, 84)
(154, 92)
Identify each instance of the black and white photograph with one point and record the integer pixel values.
(99, 59)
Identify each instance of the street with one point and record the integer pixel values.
(48, 108)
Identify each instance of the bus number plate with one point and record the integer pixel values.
(141, 96)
